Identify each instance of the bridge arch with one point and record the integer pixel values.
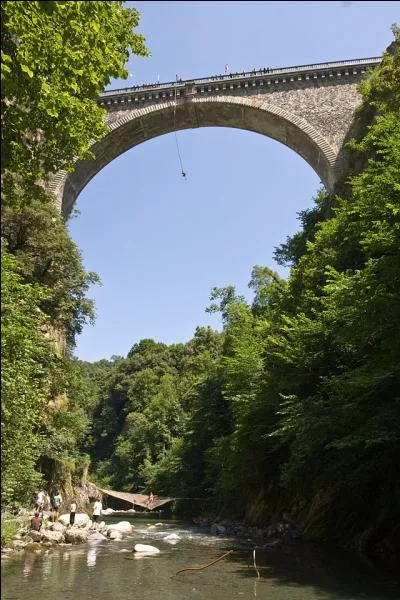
(132, 127)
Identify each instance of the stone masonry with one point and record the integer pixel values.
(310, 109)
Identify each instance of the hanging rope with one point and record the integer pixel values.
(176, 137)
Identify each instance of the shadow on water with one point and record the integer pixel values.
(331, 574)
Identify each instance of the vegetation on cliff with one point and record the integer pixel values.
(56, 58)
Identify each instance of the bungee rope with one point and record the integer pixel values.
(176, 137)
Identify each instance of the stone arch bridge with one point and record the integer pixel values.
(308, 108)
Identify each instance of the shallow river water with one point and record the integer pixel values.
(111, 571)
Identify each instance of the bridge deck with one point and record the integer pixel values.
(327, 69)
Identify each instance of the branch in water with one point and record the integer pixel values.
(201, 567)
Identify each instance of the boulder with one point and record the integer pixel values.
(96, 536)
(76, 535)
(217, 529)
(57, 527)
(81, 519)
(114, 535)
(18, 544)
(172, 536)
(36, 536)
(107, 511)
(122, 526)
(53, 536)
(146, 549)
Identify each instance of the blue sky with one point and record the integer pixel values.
(160, 243)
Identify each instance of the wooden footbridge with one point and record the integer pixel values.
(138, 499)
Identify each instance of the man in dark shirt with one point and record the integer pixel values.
(36, 522)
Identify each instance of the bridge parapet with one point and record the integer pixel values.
(234, 82)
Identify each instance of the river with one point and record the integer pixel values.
(109, 570)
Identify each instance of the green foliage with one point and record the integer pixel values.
(37, 236)
(56, 59)
(340, 353)
(290, 252)
(144, 403)
(27, 367)
(9, 528)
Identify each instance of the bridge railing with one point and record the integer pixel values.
(256, 73)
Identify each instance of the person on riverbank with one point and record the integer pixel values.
(72, 513)
(150, 500)
(39, 502)
(97, 508)
(36, 522)
(55, 505)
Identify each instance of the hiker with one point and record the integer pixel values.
(36, 522)
(150, 499)
(55, 505)
(97, 508)
(72, 512)
(40, 498)
(46, 502)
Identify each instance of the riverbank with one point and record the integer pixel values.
(84, 530)
(280, 536)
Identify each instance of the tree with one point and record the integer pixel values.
(56, 59)
(27, 368)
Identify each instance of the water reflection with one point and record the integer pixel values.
(46, 565)
(30, 558)
(91, 557)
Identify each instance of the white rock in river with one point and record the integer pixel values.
(107, 511)
(96, 536)
(146, 548)
(122, 526)
(81, 519)
(172, 536)
(114, 535)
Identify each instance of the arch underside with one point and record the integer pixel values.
(139, 126)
